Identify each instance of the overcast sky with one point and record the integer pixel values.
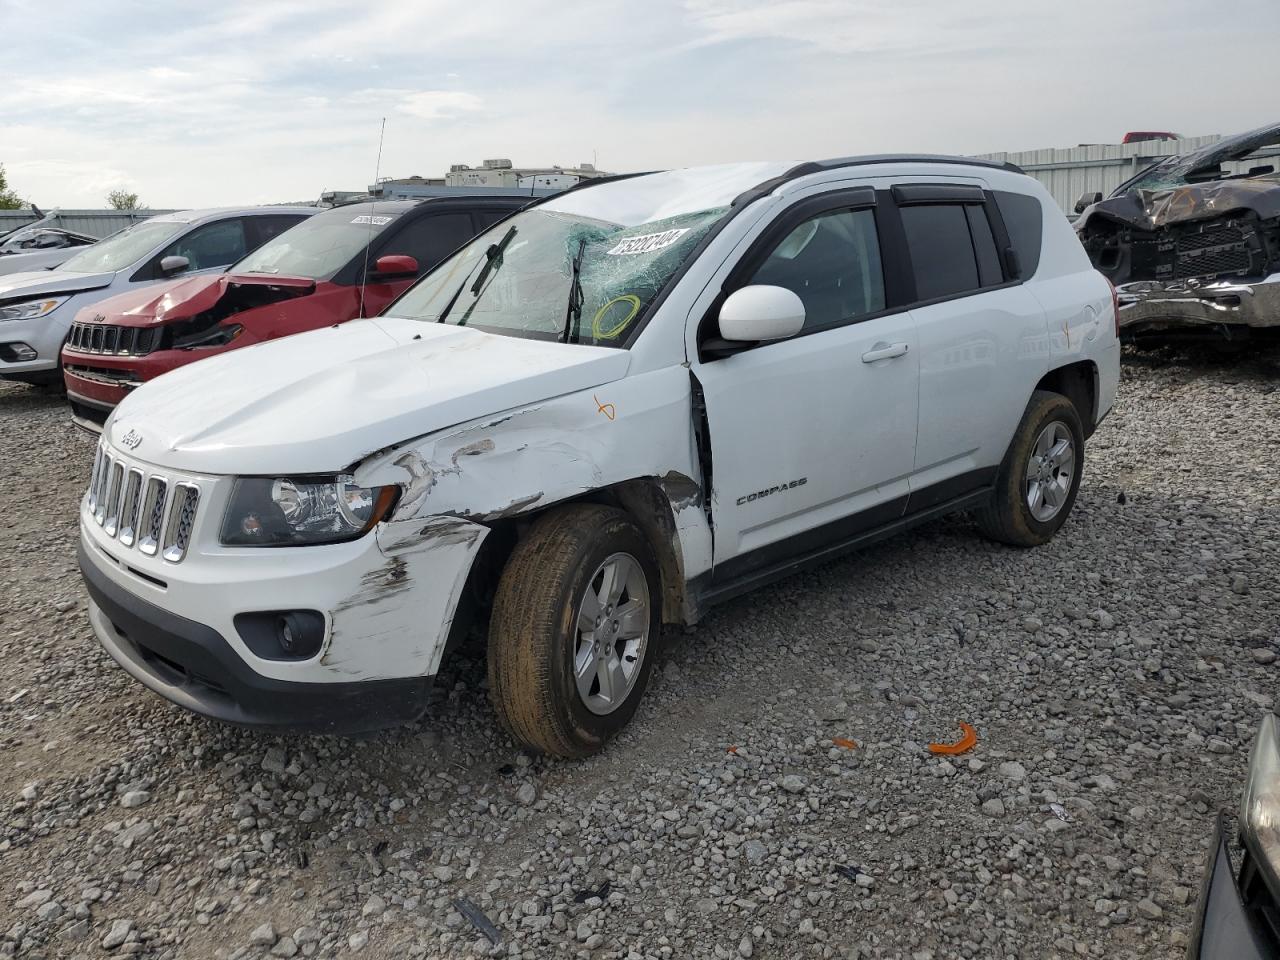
(234, 102)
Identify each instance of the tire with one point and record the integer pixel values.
(537, 650)
(1010, 516)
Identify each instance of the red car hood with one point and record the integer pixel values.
(163, 303)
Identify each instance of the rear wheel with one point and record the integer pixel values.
(1040, 476)
(574, 628)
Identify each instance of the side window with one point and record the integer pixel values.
(212, 245)
(832, 263)
(431, 238)
(487, 218)
(263, 229)
(1024, 219)
(942, 255)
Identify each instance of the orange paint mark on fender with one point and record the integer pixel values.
(963, 745)
(608, 409)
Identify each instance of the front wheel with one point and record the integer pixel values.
(1040, 476)
(575, 623)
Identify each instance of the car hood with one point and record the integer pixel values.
(35, 283)
(37, 262)
(320, 402)
(159, 304)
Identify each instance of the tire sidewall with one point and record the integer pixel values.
(589, 730)
(1052, 408)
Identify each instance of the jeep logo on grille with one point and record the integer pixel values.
(131, 439)
(98, 318)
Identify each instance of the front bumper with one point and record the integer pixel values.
(44, 335)
(193, 666)
(1224, 927)
(1148, 306)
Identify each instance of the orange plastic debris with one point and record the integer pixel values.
(963, 745)
(733, 750)
(847, 744)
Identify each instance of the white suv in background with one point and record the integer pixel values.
(37, 306)
(610, 411)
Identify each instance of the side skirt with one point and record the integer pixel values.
(711, 590)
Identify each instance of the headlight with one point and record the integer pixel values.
(1260, 807)
(288, 511)
(30, 309)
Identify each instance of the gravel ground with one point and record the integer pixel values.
(1114, 677)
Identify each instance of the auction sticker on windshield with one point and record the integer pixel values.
(375, 221)
(647, 243)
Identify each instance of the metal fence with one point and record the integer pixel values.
(96, 223)
(1068, 172)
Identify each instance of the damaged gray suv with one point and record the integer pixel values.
(1192, 246)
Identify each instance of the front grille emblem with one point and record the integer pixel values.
(131, 440)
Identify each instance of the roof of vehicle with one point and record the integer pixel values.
(215, 213)
(793, 171)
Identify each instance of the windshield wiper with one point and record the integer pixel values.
(573, 313)
(492, 255)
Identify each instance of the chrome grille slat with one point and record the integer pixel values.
(93, 479)
(100, 511)
(153, 515)
(182, 514)
(130, 507)
(112, 521)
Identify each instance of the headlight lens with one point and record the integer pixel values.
(1260, 806)
(286, 511)
(30, 309)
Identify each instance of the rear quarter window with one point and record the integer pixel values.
(1024, 220)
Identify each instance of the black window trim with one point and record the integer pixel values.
(777, 230)
(902, 255)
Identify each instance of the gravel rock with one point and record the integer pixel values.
(120, 930)
(1012, 770)
(793, 783)
(1111, 675)
(135, 798)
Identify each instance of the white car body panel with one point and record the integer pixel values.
(476, 428)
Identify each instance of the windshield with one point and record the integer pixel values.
(319, 246)
(125, 248)
(517, 279)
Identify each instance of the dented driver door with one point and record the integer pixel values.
(812, 439)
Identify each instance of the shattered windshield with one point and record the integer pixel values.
(125, 248)
(319, 246)
(517, 279)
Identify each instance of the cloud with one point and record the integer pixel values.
(246, 102)
(440, 104)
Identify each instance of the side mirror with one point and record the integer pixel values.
(170, 265)
(1088, 199)
(395, 265)
(761, 312)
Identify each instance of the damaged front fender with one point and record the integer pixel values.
(397, 619)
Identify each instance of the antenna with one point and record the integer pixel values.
(377, 169)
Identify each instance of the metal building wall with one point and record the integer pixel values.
(1068, 172)
(96, 223)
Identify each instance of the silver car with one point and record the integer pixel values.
(37, 307)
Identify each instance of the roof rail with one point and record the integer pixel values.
(817, 166)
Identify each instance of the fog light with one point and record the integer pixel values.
(282, 634)
(17, 352)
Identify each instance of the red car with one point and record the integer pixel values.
(305, 278)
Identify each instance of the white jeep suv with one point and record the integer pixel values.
(613, 409)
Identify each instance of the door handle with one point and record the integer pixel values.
(884, 351)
